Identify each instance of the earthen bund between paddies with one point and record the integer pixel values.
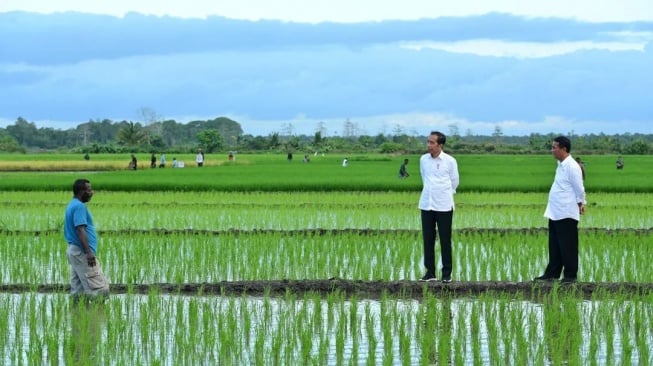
(349, 287)
(358, 288)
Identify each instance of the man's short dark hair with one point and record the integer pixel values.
(563, 142)
(80, 185)
(442, 139)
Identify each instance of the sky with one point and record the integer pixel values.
(313, 11)
(291, 66)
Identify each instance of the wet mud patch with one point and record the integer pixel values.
(359, 289)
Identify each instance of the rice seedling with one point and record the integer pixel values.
(207, 237)
(179, 258)
(175, 211)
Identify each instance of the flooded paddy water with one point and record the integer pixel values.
(434, 327)
(290, 282)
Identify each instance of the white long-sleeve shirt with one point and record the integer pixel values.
(440, 180)
(567, 191)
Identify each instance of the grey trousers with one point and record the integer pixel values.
(85, 280)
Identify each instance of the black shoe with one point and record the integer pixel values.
(428, 278)
(567, 281)
(544, 279)
(446, 279)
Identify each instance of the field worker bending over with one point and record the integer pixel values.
(403, 173)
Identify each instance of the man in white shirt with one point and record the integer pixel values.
(566, 204)
(199, 158)
(440, 179)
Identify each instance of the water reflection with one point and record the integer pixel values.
(437, 333)
(562, 330)
(88, 323)
(172, 329)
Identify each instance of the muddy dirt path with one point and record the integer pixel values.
(360, 289)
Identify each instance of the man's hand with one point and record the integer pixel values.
(90, 259)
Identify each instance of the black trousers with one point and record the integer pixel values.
(563, 248)
(432, 222)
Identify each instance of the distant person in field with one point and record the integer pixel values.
(620, 163)
(345, 162)
(289, 157)
(307, 159)
(133, 163)
(153, 161)
(175, 163)
(199, 158)
(87, 281)
(566, 204)
(440, 180)
(582, 166)
(403, 173)
(162, 162)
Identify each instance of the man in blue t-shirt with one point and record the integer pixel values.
(86, 276)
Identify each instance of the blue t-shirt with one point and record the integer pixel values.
(77, 214)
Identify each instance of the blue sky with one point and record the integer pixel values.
(275, 66)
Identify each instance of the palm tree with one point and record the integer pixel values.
(131, 134)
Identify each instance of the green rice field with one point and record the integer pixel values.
(263, 220)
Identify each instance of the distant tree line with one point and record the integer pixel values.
(107, 136)
(224, 134)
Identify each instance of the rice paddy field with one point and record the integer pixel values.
(267, 262)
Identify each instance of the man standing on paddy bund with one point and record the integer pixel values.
(86, 276)
(199, 158)
(566, 204)
(440, 180)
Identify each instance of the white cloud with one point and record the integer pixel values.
(521, 50)
(301, 86)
